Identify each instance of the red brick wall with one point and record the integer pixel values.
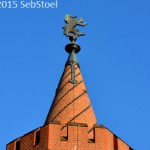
(77, 139)
(27, 142)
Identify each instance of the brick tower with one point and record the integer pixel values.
(71, 123)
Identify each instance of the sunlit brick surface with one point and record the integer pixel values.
(76, 139)
(71, 103)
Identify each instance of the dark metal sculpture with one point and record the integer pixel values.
(72, 48)
(70, 30)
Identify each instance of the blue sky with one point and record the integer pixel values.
(114, 60)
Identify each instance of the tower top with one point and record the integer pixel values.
(70, 30)
(71, 102)
(71, 122)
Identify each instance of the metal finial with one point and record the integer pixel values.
(70, 30)
(72, 49)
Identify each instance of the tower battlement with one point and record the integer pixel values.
(49, 137)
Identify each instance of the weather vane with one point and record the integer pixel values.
(70, 30)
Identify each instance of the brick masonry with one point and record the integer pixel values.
(71, 102)
(76, 139)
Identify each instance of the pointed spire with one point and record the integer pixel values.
(71, 102)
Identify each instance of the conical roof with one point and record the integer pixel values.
(71, 102)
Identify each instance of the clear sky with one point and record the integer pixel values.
(114, 60)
